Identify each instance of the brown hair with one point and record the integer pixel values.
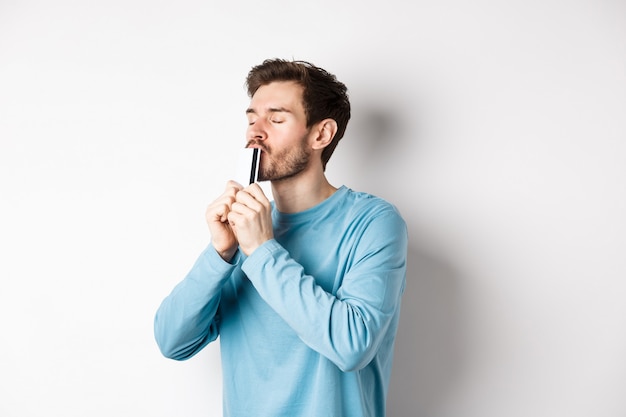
(324, 97)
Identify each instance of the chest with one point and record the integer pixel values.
(325, 251)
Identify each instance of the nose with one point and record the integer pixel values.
(257, 130)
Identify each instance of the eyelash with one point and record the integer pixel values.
(273, 121)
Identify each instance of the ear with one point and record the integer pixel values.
(325, 132)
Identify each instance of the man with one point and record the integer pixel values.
(304, 292)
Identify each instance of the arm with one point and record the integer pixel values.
(348, 327)
(186, 321)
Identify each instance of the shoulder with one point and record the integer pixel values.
(362, 202)
(376, 226)
(367, 209)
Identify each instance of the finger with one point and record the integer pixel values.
(231, 189)
(221, 205)
(217, 212)
(245, 198)
(256, 191)
(233, 219)
(224, 213)
(233, 185)
(241, 209)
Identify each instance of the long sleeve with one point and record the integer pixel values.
(187, 319)
(346, 326)
(307, 322)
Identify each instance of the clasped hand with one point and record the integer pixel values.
(239, 217)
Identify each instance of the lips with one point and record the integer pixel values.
(257, 145)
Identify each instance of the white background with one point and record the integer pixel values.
(497, 128)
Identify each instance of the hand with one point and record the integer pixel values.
(223, 238)
(250, 218)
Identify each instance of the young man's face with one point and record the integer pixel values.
(277, 125)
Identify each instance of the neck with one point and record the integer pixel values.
(299, 193)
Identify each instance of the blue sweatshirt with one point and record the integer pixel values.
(307, 322)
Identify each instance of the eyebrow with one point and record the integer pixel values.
(250, 110)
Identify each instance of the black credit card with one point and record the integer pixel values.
(247, 169)
(254, 168)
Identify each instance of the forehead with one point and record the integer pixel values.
(278, 94)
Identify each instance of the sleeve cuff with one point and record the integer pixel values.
(216, 263)
(259, 257)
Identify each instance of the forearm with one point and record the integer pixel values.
(348, 327)
(186, 320)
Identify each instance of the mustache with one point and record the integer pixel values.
(257, 144)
